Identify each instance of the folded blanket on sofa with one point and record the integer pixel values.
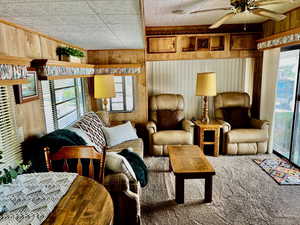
(137, 165)
(54, 140)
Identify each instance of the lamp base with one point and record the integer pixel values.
(105, 102)
(205, 118)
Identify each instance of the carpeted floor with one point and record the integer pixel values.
(242, 194)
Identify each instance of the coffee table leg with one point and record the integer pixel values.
(179, 189)
(208, 189)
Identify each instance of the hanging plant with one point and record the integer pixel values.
(67, 51)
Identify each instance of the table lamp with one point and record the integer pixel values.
(206, 86)
(104, 88)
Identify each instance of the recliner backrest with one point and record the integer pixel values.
(230, 99)
(173, 102)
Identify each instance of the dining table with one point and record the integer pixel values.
(86, 202)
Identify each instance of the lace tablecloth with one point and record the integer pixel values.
(32, 197)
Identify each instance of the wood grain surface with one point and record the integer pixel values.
(86, 202)
(189, 159)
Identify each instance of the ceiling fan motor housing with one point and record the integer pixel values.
(241, 5)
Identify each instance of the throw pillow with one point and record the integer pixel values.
(119, 134)
(119, 164)
(83, 135)
(168, 120)
(237, 117)
(91, 125)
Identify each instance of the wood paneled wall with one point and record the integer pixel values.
(16, 40)
(292, 21)
(102, 57)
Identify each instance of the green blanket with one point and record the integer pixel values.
(137, 165)
(54, 140)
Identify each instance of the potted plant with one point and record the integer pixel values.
(69, 54)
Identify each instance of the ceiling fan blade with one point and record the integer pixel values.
(189, 6)
(268, 13)
(209, 10)
(271, 2)
(222, 20)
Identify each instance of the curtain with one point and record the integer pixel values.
(268, 88)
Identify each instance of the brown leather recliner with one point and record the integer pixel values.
(165, 110)
(251, 139)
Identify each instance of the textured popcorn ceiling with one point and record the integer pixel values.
(159, 12)
(91, 24)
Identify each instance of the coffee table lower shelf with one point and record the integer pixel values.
(179, 187)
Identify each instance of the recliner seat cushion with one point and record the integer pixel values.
(172, 137)
(237, 117)
(247, 135)
(168, 120)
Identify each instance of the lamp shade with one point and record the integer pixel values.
(104, 86)
(206, 84)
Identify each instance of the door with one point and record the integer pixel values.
(287, 108)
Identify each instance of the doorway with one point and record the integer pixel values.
(287, 109)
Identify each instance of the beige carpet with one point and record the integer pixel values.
(242, 194)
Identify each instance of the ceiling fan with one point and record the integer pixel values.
(237, 7)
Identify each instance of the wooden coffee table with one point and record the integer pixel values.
(189, 162)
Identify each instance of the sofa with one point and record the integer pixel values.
(125, 194)
(167, 125)
(241, 133)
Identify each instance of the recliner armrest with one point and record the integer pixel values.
(188, 125)
(259, 124)
(225, 125)
(151, 127)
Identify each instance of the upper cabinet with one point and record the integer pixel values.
(243, 42)
(201, 46)
(161, 44)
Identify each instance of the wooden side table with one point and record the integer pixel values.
(208, 134)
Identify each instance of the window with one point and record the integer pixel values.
(124, 100)
(63, 102)
(9, 144)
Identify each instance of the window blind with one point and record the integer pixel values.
(62, 101)
(9, 144)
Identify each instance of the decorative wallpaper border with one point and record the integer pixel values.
(63, 71)
(121, 70)
(279, 41)
(12, 72)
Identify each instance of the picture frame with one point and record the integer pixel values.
(27, 92)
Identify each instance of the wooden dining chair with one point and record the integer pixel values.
(77, 152)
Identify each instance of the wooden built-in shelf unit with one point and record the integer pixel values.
(22, 62)
(201, 46)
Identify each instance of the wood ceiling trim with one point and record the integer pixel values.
(278, 35)
(40, 34)
(199, 29)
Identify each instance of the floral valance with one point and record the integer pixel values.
(134, 70)
(12, 72)
(279, 40)
(62, 71)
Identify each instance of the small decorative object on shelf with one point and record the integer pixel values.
(29, 91)
(69, 54)
(119, 69)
